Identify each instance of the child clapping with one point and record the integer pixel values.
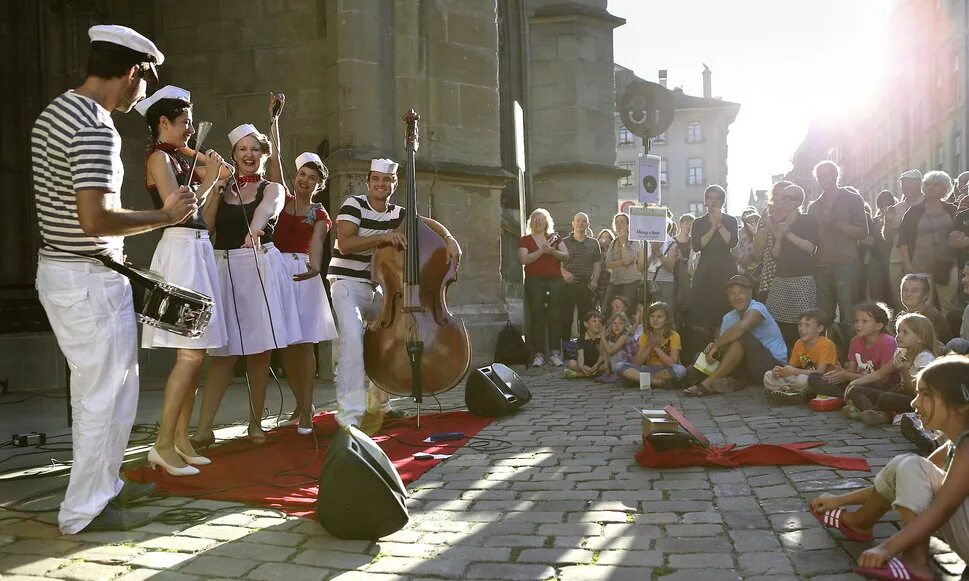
(589, 361)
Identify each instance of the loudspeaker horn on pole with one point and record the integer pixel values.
(646, 109)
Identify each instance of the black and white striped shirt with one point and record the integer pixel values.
(74, 146)
(356, 209)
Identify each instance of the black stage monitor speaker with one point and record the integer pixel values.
(494, 391)
(361, 495)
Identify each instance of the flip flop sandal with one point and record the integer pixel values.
(832, 519)
(895, 570)
(697, 391)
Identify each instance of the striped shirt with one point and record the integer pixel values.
(74, 146)
(371, 223)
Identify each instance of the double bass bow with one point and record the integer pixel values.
(415, 346)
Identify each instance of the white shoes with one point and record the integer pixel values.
(156, 460)
(295, 422)
(197, 460)
(556, 359)
(539, 361)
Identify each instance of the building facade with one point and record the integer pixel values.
(513, 95)
(693, 149)
(918, 120)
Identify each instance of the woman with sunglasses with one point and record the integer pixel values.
(793, 240)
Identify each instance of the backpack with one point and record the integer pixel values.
(510, 347)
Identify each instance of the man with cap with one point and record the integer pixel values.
(77, 175)
(363, 224)
(748, 345)
(911, 184)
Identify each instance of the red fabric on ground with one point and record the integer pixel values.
(284, 472)
(729, 456)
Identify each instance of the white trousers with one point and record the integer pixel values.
(911, 482)
(790, 384)
(91, 312)
(355, 303)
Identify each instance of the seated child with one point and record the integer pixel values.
(870, 349)
(812, 353)
(617, 345)
(659, 350)
(874, 399)
(930, 494)
(589, 362)
(916, 297)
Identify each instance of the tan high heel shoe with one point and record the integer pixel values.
(156, 460)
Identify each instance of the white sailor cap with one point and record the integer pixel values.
(130, 39)
(241, 131)
(912, 174)
(383, 165)
(308, 157)
(166, 92)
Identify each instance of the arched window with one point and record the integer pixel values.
(694, 132)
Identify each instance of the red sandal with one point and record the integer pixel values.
(894, 570)
(832, 519)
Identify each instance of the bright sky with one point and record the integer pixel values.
(784, 61)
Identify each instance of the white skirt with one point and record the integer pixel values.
(313, 308)
(184, 256)
(254, 306)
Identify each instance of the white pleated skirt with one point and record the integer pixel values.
(184, 256)
(313, 307)
(259, 307)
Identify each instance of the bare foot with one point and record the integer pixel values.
(851, 519)
(256, 435)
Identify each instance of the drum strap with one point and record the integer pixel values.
(121, 268)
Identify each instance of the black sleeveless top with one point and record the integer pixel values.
(231, 227)
(181, 167)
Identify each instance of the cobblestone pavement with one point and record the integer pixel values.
(567, 501)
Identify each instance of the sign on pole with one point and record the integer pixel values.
(649, 185)
(647, 223)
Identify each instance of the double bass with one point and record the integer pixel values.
(415, 346)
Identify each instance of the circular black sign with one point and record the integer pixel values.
(649, 183)
(646, 109)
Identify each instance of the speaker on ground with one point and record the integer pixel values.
(495, 390)
(361, 494)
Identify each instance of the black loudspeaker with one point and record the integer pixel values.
(361, 495)
(494, 391)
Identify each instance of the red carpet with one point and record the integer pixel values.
(284, 472)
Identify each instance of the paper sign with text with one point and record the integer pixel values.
(647, 223)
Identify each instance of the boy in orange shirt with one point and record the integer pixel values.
(812, 353)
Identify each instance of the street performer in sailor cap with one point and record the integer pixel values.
(77, 176)
(364, 223)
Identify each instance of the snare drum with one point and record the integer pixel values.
(168, 306)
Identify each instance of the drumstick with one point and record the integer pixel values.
(203, 131)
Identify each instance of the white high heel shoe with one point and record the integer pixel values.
(156, 460)
(196, 460)
(295, 421)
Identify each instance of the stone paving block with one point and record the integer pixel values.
(510, 571)
(765, 563)
(254, 551)
(156, 575)
(631, 558)
(108, 554)
(701, 561)
(281, 538)
(110, 537)
(30, 530)
(335, 544)
(694, 545)
(50, 547)
(332, 559)
(702, 530)
(287, 571)
(218, 533)
(29, 565)
(779, 491)
(180, 544)
(571, 529)
(598, 516)
(221, 566)
(807, 540)
(660, 518)
(81, 571)
(557, 556)
(792, 521)
(753, 519)
(754, 540)
(598, 573)
(811, 563)
(440, 566)
(514, 541)
(701, 575)
(160, 560)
